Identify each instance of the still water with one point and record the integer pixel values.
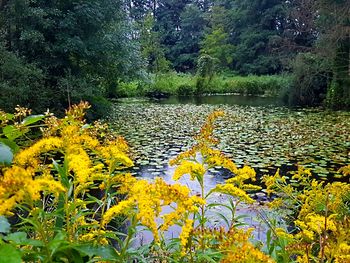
(256, 131)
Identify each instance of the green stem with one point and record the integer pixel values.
(130, 235)
(233, 211)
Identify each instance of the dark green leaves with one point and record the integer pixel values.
(12, 132)
(106, 253)
(32, 119)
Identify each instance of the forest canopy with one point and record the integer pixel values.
(55, 53)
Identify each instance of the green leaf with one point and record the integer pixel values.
(11, 132)
(60, 212)
(105, 253)
(20, 238)
(9, 254)
(58, 241)
(9, 116)
(6, 155)
(14, 147)
(17, 237)
(68, 254)
(4, 225)
(32, 119)
(63, 172)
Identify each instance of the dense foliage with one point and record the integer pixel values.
(309, 39)
(63, 51)
(55, 53)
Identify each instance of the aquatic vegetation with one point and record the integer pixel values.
(70, 196)
(266, 138)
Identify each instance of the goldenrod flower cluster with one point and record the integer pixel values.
(196, 162)
(345, 170)
(185, 234)
(146, 201)
(236, 247)
(322, 221)
(236, 186)
(188, 164)
(19, 185)
(70, 160)
(206, 133)
(195, 170)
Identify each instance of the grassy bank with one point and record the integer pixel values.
(173, 84)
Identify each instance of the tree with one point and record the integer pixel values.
(20, 82)
(168, 24)
(322, 27)
(80, 40)
(190, 35)
(151, 49)
(216, 44)
(334, 44)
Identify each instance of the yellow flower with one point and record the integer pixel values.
(195, 170)
(317, 223)
(115, 156)
(95, 236)
(79, 162)
(345, 170)
(218, 159)
(121, 208)
(302, 175)
(28, 155)
(276, 203)
(18, 185)
(302, 259)
(185, 234)
(234, 191)
(280, 232)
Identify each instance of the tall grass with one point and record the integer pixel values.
(176, 84)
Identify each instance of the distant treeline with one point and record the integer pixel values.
(54, 53)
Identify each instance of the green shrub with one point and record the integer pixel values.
(128, 89)
(172, 84)
(100, 107)
(250, 85)
(310, 79)
(338, 95)
(169, 84)
(21, 83)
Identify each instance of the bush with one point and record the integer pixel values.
(310, 79)
(338, 95)
(128, 89)
(21, 83)
(169, 84)
(100, 107)
(250, 85)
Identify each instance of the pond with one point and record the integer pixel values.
(266, 137)
(257, 131)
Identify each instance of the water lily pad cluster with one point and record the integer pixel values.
(266, 138)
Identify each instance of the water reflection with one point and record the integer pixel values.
(224, 99)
